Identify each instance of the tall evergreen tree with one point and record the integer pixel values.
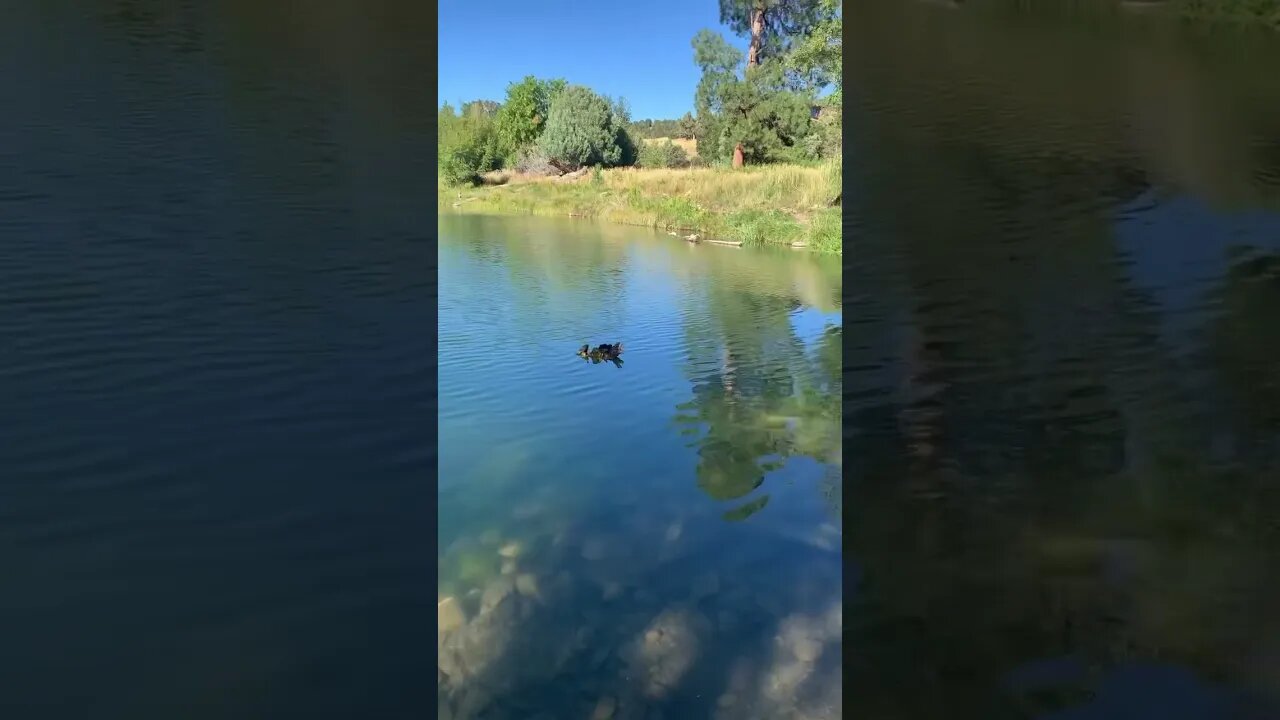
(771, 24)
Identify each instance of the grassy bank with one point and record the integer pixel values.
(767, 205)
(1265, 12)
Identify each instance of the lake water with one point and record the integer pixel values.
(216, 370)
(1062, 372)
(659, 538)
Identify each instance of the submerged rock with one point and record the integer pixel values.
(659, 658)
(510, 550)
(497, 591)
(806, 649)
(605, 708)
(527, 585)
(449, 615)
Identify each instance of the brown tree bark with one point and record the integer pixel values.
(757, 36)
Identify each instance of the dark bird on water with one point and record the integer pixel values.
(604, 351)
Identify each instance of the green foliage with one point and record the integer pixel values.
(754, 108)
(654, 128)
(1266, 12)
(630, 147)
(584, 128)
(815, 59)
(719, 62)
(784, 20)
(758, 227)
(825, 139)
(825, 233)
(467, 144)
(768, 121)
(688, 127)
(523, 116)
(485, 108)
(663, 155)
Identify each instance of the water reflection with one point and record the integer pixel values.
(1059, 368)
(585, 529)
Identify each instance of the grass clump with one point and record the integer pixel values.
(761, 227)
(825, 231)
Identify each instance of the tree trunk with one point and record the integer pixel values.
(737, 155)
(757, 37)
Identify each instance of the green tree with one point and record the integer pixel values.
(484, 108)
(771, 24)
(584, 128)
(688, 127)
(815, 60)
(467, 144)
(754, 113)
(523, 116)
(718, 61)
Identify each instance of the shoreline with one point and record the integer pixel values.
(783, 206)
(675, 231)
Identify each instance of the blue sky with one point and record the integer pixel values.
(638, 51)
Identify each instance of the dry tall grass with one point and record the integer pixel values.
(690, 146)
(793, 188)
(770, 204)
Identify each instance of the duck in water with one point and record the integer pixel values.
(604, 351)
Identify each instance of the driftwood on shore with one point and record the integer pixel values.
(575, 175)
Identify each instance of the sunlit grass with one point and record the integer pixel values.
(689, 146)
(767, 205)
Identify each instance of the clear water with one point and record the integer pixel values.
(662, 538)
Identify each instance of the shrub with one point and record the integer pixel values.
(630, 146)
(459, 166)
(533, 161)
(522, 117)
(583, 129)
(467, 146)
(663, 155)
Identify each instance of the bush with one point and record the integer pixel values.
(583, 129)
(467, 146)
(459, 166)
(533, 161)
(663, 155)
(631, 148)
(522, 116)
